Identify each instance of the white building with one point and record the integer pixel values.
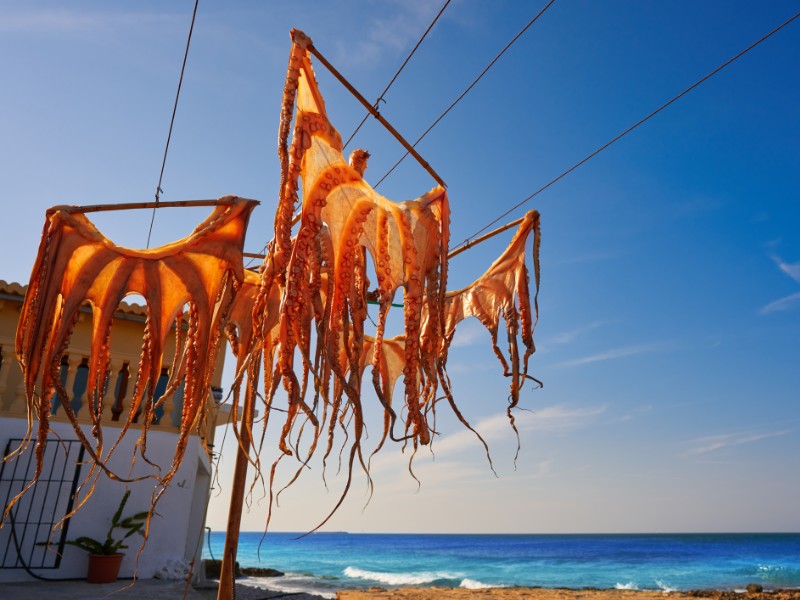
(176, 531)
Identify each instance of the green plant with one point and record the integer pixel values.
(113, 545)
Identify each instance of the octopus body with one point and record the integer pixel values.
(77, 265)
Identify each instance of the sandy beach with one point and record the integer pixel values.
(156, 589)
(250, 592)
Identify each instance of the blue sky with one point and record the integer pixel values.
(670, 300)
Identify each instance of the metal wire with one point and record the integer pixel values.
(172, 122)
(632, 127)
(464, 93)
(405, 62)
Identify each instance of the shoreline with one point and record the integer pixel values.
(255, 590)
(519, 593)
(160, 589)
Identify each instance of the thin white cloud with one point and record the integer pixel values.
(494, 429)
(73, 22)
(568, 336)
(552, 419)
(448, 450)
(394, 33)
(455, 367)
(635, 413)
(616, 353)
(786, 303)
(712, 443)
(791, 269)
(446, 476)
(469, 332)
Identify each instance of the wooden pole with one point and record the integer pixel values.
(135, 205)
(374, 112)
(227, 575)
(295, 221)
(470, 244)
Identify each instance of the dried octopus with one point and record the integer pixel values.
(78, 265)
(321, 279)
(342, 220)
(501, 292)
(308, 303)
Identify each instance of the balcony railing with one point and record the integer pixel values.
(74, 374)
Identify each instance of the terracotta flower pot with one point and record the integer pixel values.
(104, 568)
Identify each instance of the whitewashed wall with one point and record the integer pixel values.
(175, 530)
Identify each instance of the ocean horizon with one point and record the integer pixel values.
(324, 562)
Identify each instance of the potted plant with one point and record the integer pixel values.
(105, 557)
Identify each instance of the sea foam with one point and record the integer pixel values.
(398, 578)
(626, 586)
(664, 587)
(472, 584)
(291, 583)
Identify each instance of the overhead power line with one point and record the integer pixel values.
(471, 85)
(631, 128)
(403, 66)
(172, 122)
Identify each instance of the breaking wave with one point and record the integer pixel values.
(664, 587)
(421, 578)
(626, 586)
(293, 583)
(472, 584)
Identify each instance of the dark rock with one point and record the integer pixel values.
(213, 568)
(261, 572)
(754, 588)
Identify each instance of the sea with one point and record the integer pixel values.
(322, 563)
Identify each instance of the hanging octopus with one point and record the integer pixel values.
(319, 281)
(76, 265)
(300, 321)
(343, 219)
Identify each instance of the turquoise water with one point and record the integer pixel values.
(324, 562)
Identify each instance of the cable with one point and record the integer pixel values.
(172, 122)
(632, 127)
(464, 93)
(210, 553)
(252, 260)
(405, 62)
(216, 461)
